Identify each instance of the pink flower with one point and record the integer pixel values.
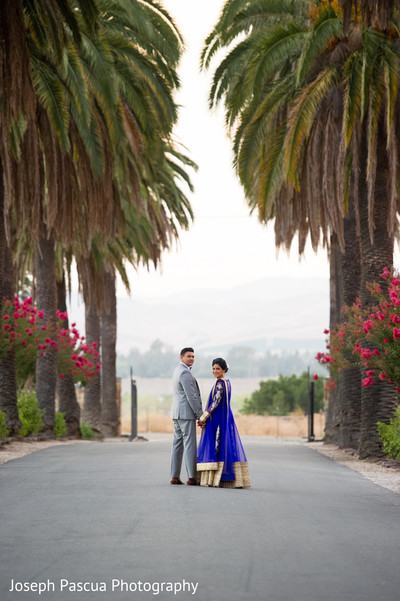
(367, 326)
(368, 381)
(7, 327)
(315, 376)
(62, 376)
(365, 353)
(382, 376)
(395, 318)
(6, 316)
(369, 372)
(41, 314)
(385, 274)
(396, 333)
(24, 343)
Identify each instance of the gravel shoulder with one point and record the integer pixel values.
(383, 473)
(19, 448)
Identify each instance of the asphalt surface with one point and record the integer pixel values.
(103, 515)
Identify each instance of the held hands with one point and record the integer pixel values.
(201, 424)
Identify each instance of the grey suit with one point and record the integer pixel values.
(186, 408)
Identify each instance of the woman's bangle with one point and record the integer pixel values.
(204, 417)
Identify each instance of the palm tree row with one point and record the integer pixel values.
(91, 172)
(311, 96)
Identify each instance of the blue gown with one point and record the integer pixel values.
(221, 460)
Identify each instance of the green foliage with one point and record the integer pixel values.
(390, 435)
(30, 414)
(60, 428)
(3, 430)
(369, 338)
(283, 396)
(87, 432)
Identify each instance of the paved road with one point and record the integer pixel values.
(308, 529)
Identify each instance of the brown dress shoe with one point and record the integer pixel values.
(193, 482)
(176, 481)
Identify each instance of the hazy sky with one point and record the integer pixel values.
(225, 246)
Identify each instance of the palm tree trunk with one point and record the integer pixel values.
(8, 386)
(67, 401)
(378, 402)
(332, 427)
(350, 379)
(109, 409)
(46, 299)
(91, 413)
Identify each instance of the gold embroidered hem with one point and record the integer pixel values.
(207, 466)
(209, 474)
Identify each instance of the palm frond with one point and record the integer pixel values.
(301, 119)
(328, 27)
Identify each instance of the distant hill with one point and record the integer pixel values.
(268, 314)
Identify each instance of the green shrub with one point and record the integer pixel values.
(87, 432)
(29, 413)
(60, 428)
(390, 435)
(4, 432)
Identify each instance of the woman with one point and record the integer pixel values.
(221, 460)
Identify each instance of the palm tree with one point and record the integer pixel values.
(8, 388)
(67, 401)
(19, 145)
(292, 92)
(110, 104)
(142, 239)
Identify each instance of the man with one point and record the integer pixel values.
(186, 408)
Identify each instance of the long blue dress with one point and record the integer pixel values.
(221, 460)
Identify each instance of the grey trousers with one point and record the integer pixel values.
(184, 443)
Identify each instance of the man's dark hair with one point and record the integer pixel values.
(187, 349)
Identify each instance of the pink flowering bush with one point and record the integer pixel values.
(22, 329)
(369, 338)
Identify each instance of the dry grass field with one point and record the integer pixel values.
(257, 425)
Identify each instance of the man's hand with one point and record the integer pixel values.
(201, 425)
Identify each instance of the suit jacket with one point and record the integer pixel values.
(186, 402)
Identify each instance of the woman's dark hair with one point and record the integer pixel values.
(222, 363)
